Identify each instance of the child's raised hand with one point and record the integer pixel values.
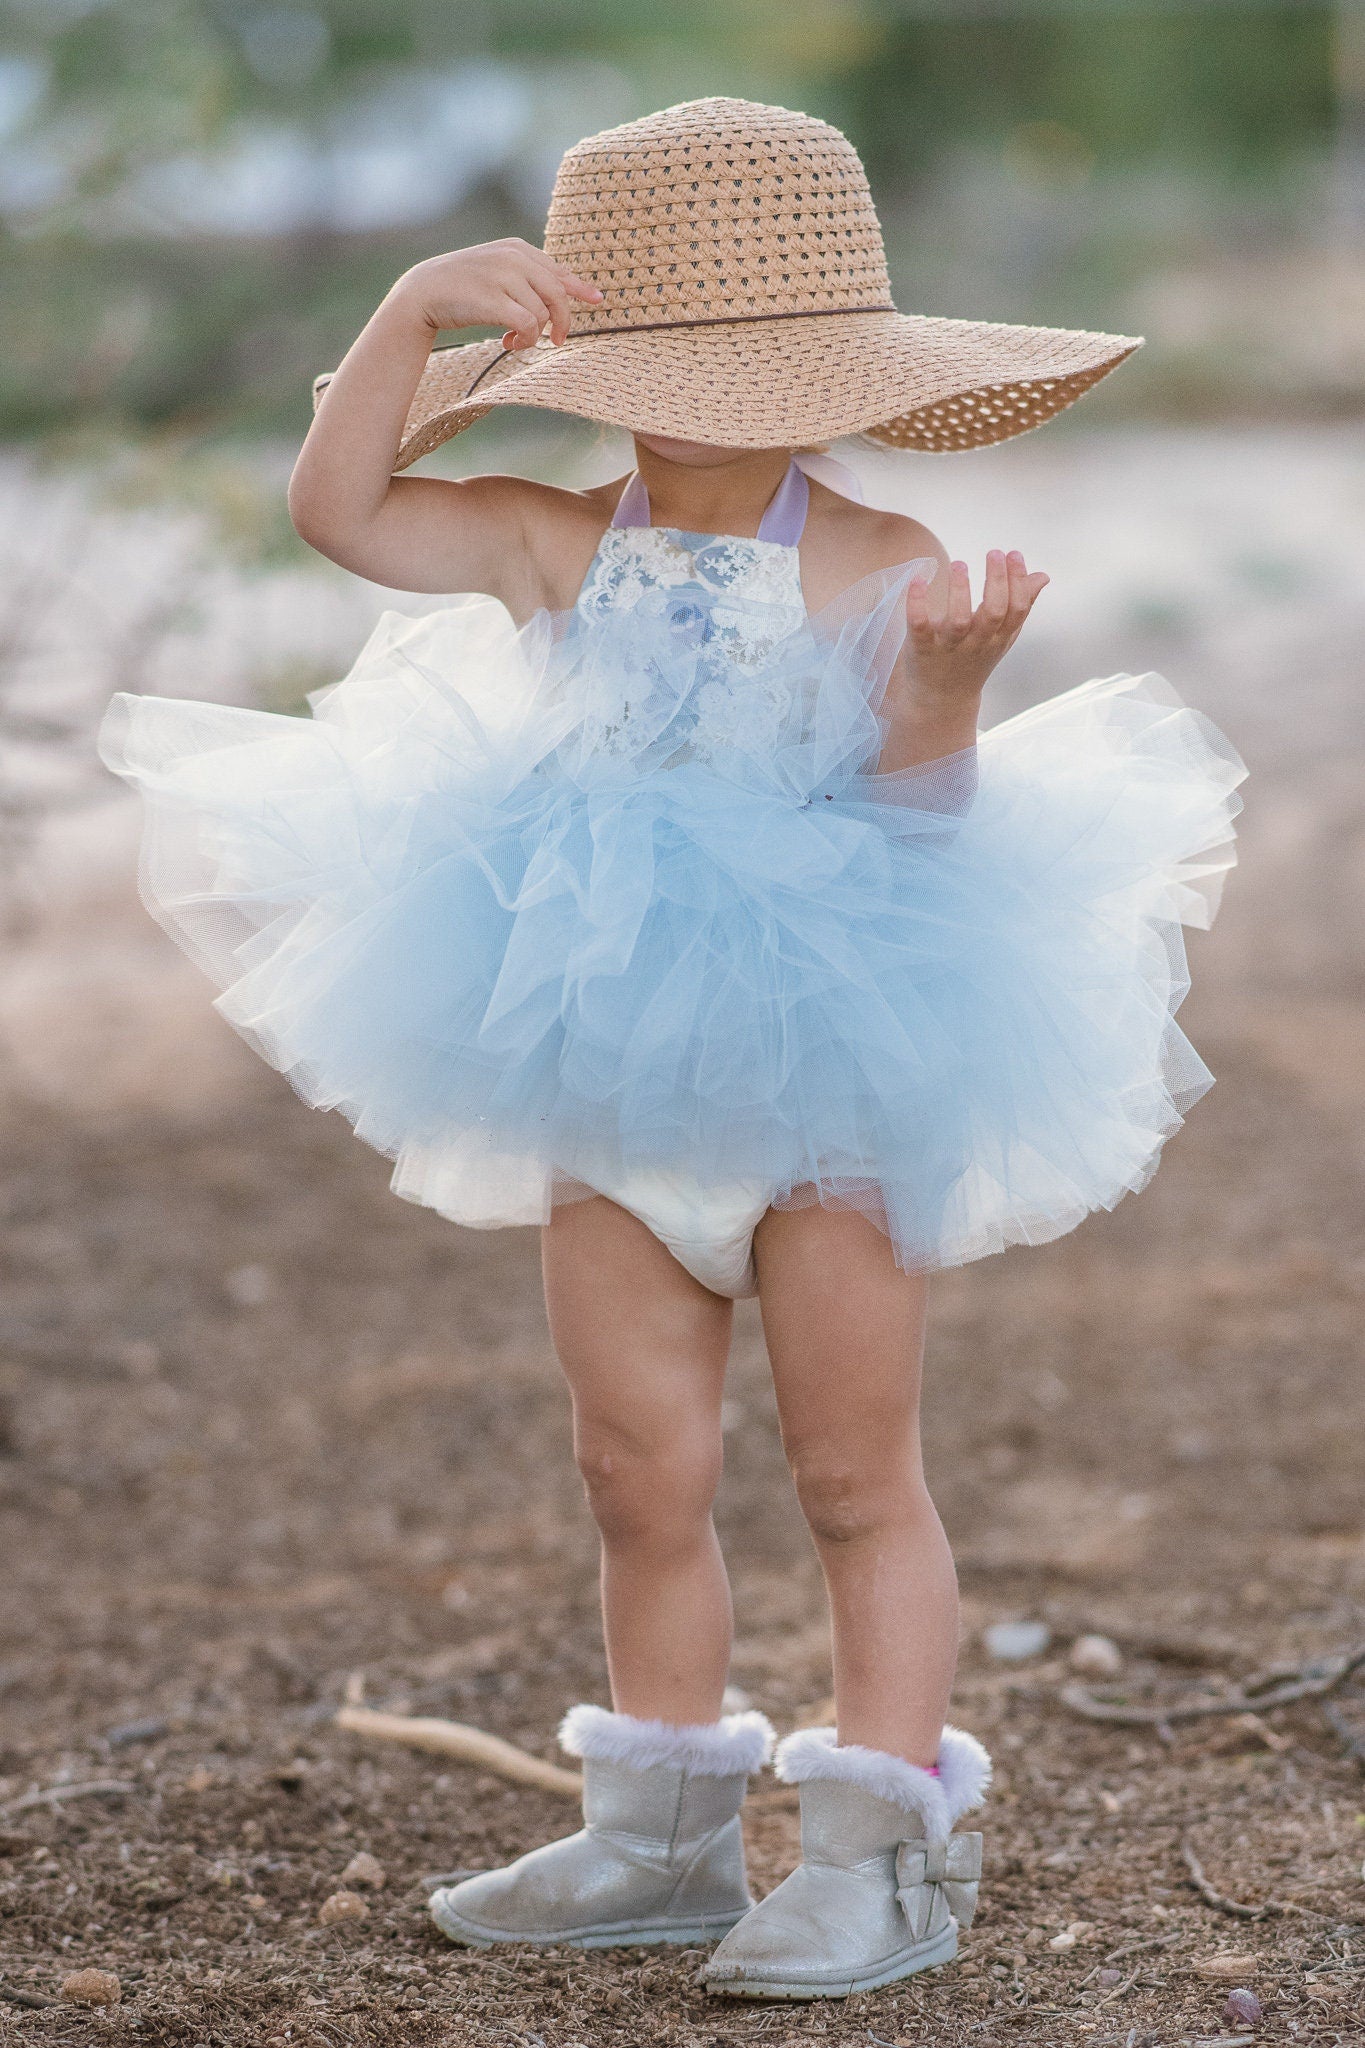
(955, 647)
(510, 284)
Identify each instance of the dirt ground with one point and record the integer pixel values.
(263, 1427)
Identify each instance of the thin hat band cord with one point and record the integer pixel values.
(673, 326)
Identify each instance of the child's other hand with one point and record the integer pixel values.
(510, 284)
(954, 647)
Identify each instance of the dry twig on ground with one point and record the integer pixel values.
(33, 2000)
(1213, 1897)
(1221, 1903)
(466, 1745)
(54, 1795)
(1279, 1688)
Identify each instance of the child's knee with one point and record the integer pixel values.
(642, 1489)
(846, 1498)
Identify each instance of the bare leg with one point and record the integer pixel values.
(845, 1330)
(644, 1348)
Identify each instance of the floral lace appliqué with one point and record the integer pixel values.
(703, 615)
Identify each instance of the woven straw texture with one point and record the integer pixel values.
(746, 303)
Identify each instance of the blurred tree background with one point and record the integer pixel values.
(201, 200)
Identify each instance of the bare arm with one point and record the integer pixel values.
(424, 533)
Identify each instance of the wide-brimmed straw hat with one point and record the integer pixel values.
(746, 303)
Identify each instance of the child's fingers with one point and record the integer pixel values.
(917, 605)
(1031, 586)
(1018, 589)
(520, 337)
(995, 591)
(1024, 587)
(1018, 576)
(552, 291)
(526, 314)
(577, 287)
(559, 287)
(959, 609)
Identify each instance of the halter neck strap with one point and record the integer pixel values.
(632, 507)
(783, 520)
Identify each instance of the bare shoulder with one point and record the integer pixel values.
(844, 541)
(555, 531)
(536, 503)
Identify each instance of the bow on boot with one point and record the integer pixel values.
(938, 1881)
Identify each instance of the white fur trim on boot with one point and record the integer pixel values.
(737, 1745)
(964, 1773)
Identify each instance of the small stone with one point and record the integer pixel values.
(1096, 1657)
(1077, 1931)
(92, 1987)
(199, 1779)
(255, 1902)
(1109, 1978)
(248, 1286)
(1243, 2008)
(1011, 1642)
(365, 1870)
(341, 1909)
(1225, 1969)
(136, 1731)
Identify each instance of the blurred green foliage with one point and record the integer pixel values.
(1030, 160)
(1227, 90)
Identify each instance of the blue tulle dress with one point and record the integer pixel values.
(618, 901)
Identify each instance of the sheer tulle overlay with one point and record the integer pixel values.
(622, 890)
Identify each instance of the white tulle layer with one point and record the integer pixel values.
(534, 912)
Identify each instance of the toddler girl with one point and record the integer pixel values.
(661, 892)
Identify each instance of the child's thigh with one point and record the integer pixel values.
(844, 1327)
(643, 1345)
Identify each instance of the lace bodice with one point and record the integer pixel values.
(705, 617)
(679, 638)
(709, 587)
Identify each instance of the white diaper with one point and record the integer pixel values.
(710, 1231)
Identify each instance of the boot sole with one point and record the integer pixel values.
(619, 1934)
(941, 1950)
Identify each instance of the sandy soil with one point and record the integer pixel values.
(262, 1427)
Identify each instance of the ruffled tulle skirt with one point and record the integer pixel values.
(946, 997)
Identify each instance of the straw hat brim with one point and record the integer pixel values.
(905, 379)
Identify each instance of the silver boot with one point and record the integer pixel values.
(661, 1857)
(883, 1885)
